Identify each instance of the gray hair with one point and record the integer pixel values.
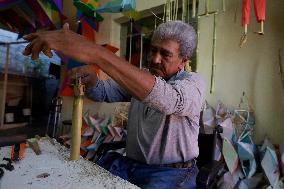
(179, 31)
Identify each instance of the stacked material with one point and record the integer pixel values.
(52, 169)
(249, 165)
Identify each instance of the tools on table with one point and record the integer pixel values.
(17, 151)
(8, 166)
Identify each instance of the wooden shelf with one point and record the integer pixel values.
(13, 125)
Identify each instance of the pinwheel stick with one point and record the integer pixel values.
(77, 119)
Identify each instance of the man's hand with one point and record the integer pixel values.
(64, 41)
(87, 74)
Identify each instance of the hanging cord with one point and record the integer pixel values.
(162, 19)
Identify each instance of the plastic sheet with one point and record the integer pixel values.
(208, 119)
(230, 155)
(269, 163)
(246, 151)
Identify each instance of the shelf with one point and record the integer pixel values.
(13, 125)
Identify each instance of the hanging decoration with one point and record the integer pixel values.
(31, 15)
(88, 7)
(259, 10)
(5, 4)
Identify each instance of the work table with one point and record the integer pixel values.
(52, 169)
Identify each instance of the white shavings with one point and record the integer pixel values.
(62, 173)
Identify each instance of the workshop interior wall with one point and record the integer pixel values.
(253, 69)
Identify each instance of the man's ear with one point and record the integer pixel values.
(183, 63)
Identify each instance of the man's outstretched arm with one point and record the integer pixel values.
(136, 82)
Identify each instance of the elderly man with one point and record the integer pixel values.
(165, 102)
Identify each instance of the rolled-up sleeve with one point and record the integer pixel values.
(180, 97)
(107, 91)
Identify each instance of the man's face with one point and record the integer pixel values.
(165, 60)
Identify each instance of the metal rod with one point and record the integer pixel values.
(212, 87)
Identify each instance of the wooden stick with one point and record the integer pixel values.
(244, 36)
(261, 32)
(176, 9)
(164, 14)
(168, 10)
(33, 144)
(206, 6)
(212, 87)
(281, 68)
(207, 12)
(193, 8)
(224, 5)
(77, 120)
(184, 10)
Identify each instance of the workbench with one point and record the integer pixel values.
(52, 169)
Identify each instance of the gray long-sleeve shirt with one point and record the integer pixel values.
(164, 127)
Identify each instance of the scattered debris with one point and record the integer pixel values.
(33, 144)
(43, 175)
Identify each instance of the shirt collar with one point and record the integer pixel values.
(175, 76)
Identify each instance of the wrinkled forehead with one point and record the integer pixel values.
(166, 45)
